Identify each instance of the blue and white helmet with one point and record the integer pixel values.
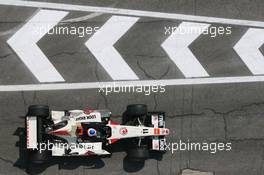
(91, 132)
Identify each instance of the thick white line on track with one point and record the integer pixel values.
(101, 46)
(95, 85)
(248, 50)
(177, 47)
(24, 43)
(118, 11)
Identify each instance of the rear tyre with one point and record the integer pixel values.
(39, 110)
(138, 154)
(37, 157)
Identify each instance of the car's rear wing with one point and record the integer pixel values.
(31, 129)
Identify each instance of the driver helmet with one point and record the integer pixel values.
(91, 132)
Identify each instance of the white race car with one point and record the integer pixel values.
(90, 132)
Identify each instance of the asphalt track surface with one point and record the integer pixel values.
(213, 113)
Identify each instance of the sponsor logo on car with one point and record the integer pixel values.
(162, 144)
(90, 116)
(145, 131)
(86, 117)
(161, 121)
(123, 131)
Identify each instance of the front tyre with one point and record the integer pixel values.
(133, 112)
(137, 110)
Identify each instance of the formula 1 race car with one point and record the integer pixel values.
(90, 132)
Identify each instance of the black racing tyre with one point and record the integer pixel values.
(136, 110)
(39, 110)
(37, 157)
(138, 154)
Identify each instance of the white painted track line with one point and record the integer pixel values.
(101, 46)
(177, 47)
(248, 50)
(95, 85)
(118, 11)
(24, 43)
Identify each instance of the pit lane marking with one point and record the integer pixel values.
(24, 43)
(89, 85)
(248, 50)
(177, 47)
(120, 11)
(101, 46)
(97, 85)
